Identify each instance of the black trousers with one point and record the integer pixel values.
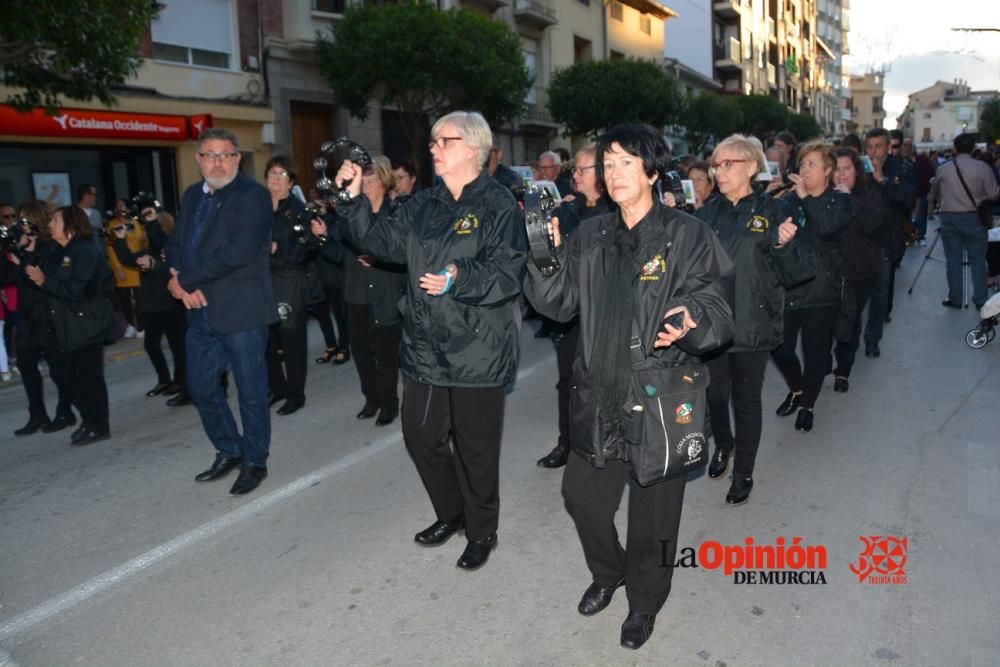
(462, 472)
(28, 356)
(592, 498)
(816, 325)
(286, 372)
(376, 356)
(565, 352)
(131, 306)
(846, 350)
(333, 302)
(169, 323)
(739, 377)
(85, 379)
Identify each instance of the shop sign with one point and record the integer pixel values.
(87, 124)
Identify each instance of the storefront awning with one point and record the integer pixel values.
(94, 124)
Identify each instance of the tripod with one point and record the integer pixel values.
(966, 272)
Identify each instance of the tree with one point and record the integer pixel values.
(72, 49)
(804, 126)
(709, 118)
(589, 97)
(424, 62)
(763, 116)
(989, 121)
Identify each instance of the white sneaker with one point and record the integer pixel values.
(922, 243)
(130, 331)
(140, 334)
(5, 376)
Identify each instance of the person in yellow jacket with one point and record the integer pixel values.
(126, 278)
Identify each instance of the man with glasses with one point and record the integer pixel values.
(219, 257)
(86, 198)
(503, 174)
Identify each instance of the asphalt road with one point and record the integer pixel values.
(113, 555)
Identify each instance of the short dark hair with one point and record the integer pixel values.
(877, 132)
(860, 177)
(785, 137)
(852, 140)
(283, 162)
(407, 166)
(83, 189)
(75, 222)
(36, 212)
(640, 140)
(896, 134)
(965, 142)
(218, 133)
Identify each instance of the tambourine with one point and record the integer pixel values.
(538, 208)
(333, 153)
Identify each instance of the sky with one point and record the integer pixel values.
(912, 41)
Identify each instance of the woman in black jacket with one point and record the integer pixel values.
(73, 275)
(862, 259)
(36, 338)
(291, 252)
(813, 306)
(652, 288)
(162, 314)
(758, 233)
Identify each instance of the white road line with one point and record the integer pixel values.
(104, 581)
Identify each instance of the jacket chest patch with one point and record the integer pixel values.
(66, 262)
(653, 269)
(466, 224)
(759, 224)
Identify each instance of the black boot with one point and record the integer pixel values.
(35, 422)
(788, 405)
(61, 421)
(556, 458)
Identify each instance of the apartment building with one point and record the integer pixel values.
(833, 89)
(934, 116)
(201, 67)
(866, 102)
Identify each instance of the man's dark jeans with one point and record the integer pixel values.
(963, 231)
(209, 354)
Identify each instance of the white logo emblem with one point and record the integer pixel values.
(284, 311)
(61, 120)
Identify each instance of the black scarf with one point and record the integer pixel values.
(611, 361)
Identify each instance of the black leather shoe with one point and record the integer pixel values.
(342, 357)
(180, 399)
(328, 354)
(34, 423)
(636, 629)
(291, 405)
(476, 553)
(596, 598)
(386, 416)
(841, 385)
(739, 490)
(158, 389)
(249, 479)
(789, 405)
(804, 422)
(75, 435)
(438, 533)
(89, 437)
(556, 458)
(872, 352)
(367, 412)
(59, 423)
(273, 399)
(221, 467)
(948, 303)
(172, 389)
(719, 463)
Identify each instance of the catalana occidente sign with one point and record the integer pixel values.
(88, 124)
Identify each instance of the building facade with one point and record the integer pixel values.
(829, 101)
(934, 116)
(866, 102)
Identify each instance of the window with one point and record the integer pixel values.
(646, 25)
(876, 104)
(616, 10)
(532, 67)
(194, 32)
(329, 6)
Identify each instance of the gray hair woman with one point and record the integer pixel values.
(464, 245)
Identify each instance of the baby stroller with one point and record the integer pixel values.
(986, 331)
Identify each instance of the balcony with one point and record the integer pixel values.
(728, 9)
(729, 57)
(534, 13)
(536, 116)
(488, 5)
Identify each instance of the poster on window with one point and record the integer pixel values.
(52, 187)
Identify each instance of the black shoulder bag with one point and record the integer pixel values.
(984, 209)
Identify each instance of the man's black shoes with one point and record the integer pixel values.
(368, 411)
(221, 467)
(158, 389)
(250, 477)
(180, 399)
(438, 533)
(872, 351)
(788, 405)
(291, 405)
(948, 303)
(739, 491)
(88, 437)
(596, 598)
(59, 423)
(387, 415)
(719, 463)
(476, 553)
(636, 629)
(33, 425)
(804, 422)
(556, 458)
(841, 385)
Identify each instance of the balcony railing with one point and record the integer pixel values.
(537, 112)
(534, 12)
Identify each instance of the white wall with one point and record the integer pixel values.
(689, 36)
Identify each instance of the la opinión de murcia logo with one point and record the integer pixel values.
(784, 562)
(882, 560)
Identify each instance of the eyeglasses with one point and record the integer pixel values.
(441, 142)
(8, 216)
(217, 157)
(725, 165)
(895, 147)
(92, 194)
(277, 174)
(576, 171)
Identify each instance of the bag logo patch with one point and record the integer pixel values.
(684, 413)
(284, 311)
(466, 224)
(759, 224)
(652, 269)
(66, 262)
